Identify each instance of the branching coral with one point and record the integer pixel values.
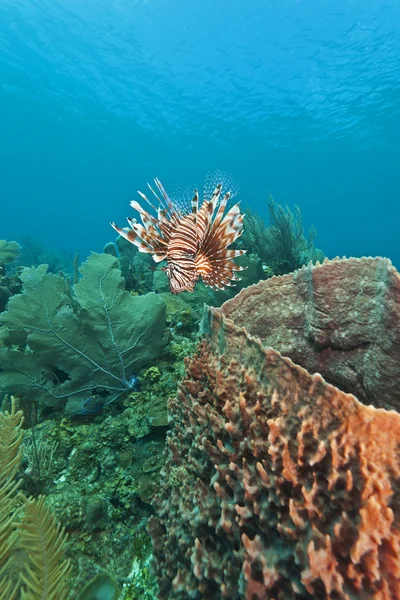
(282, 246)
(277, 485)
(60, 346)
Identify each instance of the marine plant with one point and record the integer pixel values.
(282, 246)
(32, 563)
(65, 346)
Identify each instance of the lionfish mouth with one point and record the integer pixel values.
(194, 242)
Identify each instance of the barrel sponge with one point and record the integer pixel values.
(340, 318)
(277, 485)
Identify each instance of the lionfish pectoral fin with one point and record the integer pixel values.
(159, 258)
(214, 260)
(131, 236)
(124, 232)
(234, 253)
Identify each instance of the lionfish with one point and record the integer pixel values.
(194, 241)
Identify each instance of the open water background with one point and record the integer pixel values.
(297, 97)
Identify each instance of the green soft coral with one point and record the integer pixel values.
(282, 247)
(63, 345)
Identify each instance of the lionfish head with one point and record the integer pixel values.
(193, 240)
(179, 279)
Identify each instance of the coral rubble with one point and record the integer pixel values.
(277, 485)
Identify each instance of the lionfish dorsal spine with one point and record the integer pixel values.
(166, 202)
(195, 205)
(220, 211)
(145, 198)
(147, 218)
(205, 215)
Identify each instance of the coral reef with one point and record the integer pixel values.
(82, 347)
(141, 583)
(98, 468)
(101, 480)
(99, 472)
(340, 319)
(277, 485)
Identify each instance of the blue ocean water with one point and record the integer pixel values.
(300, 98)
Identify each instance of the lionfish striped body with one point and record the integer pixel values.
(194, 244)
